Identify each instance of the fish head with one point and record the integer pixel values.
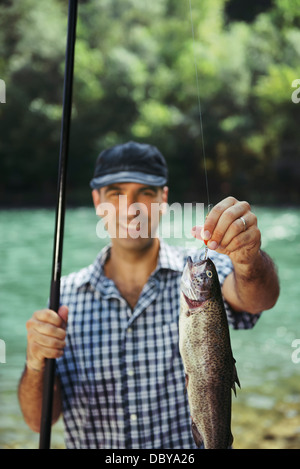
(199, 282)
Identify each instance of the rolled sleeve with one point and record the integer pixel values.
(236, 319)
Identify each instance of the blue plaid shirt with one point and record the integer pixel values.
(122, 376)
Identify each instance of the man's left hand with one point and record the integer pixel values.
(231, 228)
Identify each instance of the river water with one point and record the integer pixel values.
(266, 412)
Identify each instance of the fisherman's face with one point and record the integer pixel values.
(130, 211)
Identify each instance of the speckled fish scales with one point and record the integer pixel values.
(205, 348)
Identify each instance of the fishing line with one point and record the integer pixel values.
(209, 205)
(199, 109)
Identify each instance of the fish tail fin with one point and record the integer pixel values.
(230, 440)
(235, 378)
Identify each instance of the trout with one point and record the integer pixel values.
(205, 348)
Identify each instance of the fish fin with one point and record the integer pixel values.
(197, 435)
(235, 378)
(186, 383)
(190, 262)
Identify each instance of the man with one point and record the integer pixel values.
(120, 379)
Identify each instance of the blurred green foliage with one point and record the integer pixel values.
(135, 79)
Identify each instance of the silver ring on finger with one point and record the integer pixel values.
(244, 223)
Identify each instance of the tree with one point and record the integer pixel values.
(135, 79)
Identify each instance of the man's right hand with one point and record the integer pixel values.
(46, 333)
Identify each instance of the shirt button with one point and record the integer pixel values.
(129, 330)
(133, 417)
(130, 372)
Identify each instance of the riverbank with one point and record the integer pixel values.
(266, 412)
(268, 425)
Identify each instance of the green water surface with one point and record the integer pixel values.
(266, 412)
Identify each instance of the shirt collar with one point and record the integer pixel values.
(169, 258)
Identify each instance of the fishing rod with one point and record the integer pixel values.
(49, 374)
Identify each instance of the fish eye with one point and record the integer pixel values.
(209, 273)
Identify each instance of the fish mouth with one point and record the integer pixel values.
(194, 294)
(193, 303)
